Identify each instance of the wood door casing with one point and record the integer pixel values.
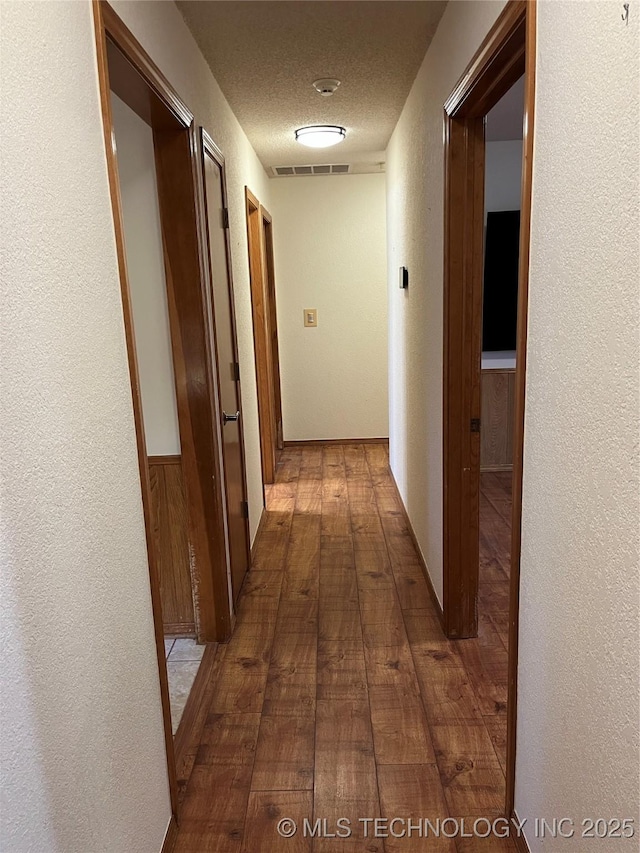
(272, 315)
(263, 347)
(498, 64)
(228, 374)
(464, 181)
(195, 382)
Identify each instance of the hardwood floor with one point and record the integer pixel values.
(338, 695)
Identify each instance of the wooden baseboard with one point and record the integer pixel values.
(179, 629)
(165, 460)
(519, 840)
(319, 442)
(423, 564)
(187, 737)
(170, 836)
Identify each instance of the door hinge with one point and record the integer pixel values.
(225, 217)
(475, 424)
(235, 371)
(244, 508)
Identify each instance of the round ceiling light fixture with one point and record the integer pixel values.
(320, 135)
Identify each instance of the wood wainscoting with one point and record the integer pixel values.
(172, 544)
(498, 419)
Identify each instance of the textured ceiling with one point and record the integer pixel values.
(265, 56)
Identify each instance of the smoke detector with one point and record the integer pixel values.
(326, 86)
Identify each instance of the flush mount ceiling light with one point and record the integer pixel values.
(320, 135)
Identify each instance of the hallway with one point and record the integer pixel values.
(338, 695)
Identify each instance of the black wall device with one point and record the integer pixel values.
(404, 278)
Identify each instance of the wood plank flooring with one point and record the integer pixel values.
(338, 696)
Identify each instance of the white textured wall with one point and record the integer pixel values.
(578, 678)
(330, 254)
(578, 707)
(159, 27)
(145, 271)
(503, 175)
(415, 189)
(82, 751)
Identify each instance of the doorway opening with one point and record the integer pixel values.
(265, 334)
(502, 203)
(134, 148)
(507, 54)
(191, 466)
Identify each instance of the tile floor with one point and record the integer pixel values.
(183, 661)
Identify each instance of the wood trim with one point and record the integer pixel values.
(497, 419)
(171, 836)
(189, 731)
(519, 840)
(179, 629)
(270, 289)
(209, 148)
(423, 564)
(261, 344)
(492, 70)
(495, 67)
(321, 442)
(171, 536)
(193, 359)
(165, 460)
(464, 238)
(495, 469)
(101, 25)
(215, 151)
(520, 400)
(131, 48)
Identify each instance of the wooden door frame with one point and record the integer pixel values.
(261, 342)
(125, 66)
(508, 52)
(270, 282)
(208, 148)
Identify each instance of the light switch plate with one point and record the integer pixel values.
(311, 316)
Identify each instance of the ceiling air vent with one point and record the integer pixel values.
(328, 169)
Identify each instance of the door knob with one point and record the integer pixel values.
(226, 418)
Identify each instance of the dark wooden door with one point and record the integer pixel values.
(227, 365)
